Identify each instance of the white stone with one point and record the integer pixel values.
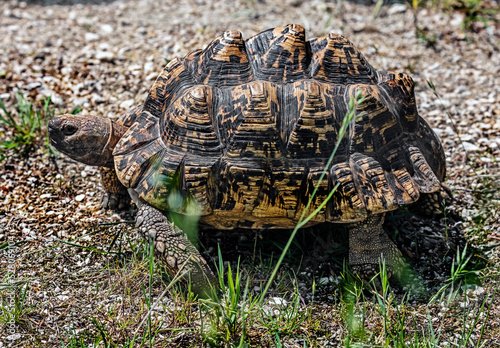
(80, 198)
(470, 147)
(126, 104)
(326, 280)
(14, 337)
(152, 76)
(149, 66)
(106, 29)
(31, 86)
(105, 56)
(438, 131)
(397, 8)
(277, 301)
(91, 37)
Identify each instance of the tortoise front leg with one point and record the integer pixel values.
(174, 250)
(115, 195)
(368, 243)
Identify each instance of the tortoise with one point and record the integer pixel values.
(243, 130)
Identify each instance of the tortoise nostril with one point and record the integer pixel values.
(53, 125)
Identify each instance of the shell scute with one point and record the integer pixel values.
(336, 60)
(188, 125)
(279, 54)
(141, 133)
(401, 89)
(345, 204)
(171, 82)
(316, 128)
(371, 184)
(223, 63)
(374, 126)
(238, 186)
(316, 179)
(280, 191)
(396, 171)
(423, 177)
(195, 176)
(160, 178)
(254, 131)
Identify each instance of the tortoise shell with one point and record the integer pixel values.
(244, 129)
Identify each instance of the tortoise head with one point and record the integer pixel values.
(87, 139)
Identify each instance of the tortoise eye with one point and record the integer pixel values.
(69, 129)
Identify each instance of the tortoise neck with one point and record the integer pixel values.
(116, 131)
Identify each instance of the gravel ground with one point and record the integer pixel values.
(104, 56)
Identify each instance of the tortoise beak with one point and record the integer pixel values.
(53, 128)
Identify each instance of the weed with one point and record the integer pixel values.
(394, 321)
(460, 278)
(227, 316)
(13, 306)
(280, 317)
(475, 11)
(353, 309)
(27, 123)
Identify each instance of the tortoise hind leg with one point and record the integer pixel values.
(174, 250)
(433, 203)
(368, 242)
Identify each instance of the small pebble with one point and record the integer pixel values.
(80, 198)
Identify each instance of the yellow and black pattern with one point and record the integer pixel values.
(400, 87)
(171, 82)
(245, 129)
(336, 60)
(223, 63)
(249, 125)
(279, 54)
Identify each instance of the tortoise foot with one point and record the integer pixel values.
(115, 201)
(115, 196)
(369, 246)
(174, 250)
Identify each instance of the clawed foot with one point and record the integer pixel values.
(370, 248)
(175, 251)
(373, 273)
(115, 196)
(115, 201)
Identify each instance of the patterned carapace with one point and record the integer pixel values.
(245, 129)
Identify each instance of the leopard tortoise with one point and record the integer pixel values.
(244, 129)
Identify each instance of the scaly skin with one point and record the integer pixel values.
(115, 195)
(368, 243)
(174, 250)
(433, 203)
